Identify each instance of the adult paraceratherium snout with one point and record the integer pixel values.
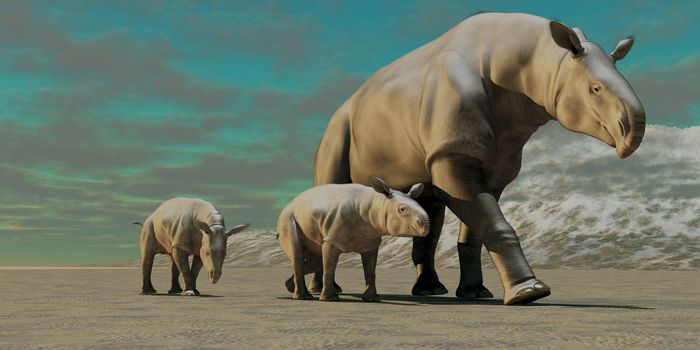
(631, 125)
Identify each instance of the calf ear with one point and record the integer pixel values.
(416, 190)
(622, 48)
(380, 186)
(565, 37)
(204, 227)
(237, 229)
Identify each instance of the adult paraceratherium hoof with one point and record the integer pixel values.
(148, 291)
(175, 291)
(526, 292)
(190, 293)
(477, 292)
(428, 284)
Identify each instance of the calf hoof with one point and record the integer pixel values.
(289, 284)
(189, 293)
(302, 296)
(148, 291)
(329, 297)
(526, 292)
(371, 298)
(428, 284)
(477, 292)
(174, 290)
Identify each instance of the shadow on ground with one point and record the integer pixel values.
(411, 300)
(178, 295)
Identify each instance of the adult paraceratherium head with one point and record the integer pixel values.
(593, 98)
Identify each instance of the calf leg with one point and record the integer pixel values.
(369, 265)
(180, 256)
(194, 272)
(427, 282)
(290, 242)
(175, 287)
(461, 185)
(316, 283)
(471, 281)
(312, 263)
(330, 262)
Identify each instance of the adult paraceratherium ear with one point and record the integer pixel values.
(565, 37)
(379, 185)
(416, 190)
(622, 48)
(237, 229)
(204, 227)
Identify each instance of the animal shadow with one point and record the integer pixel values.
(402, 299)
(178, 295)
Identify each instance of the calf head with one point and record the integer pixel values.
(593, 97)
(213, 249)
(404, 216)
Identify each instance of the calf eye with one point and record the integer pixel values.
(402, 210)
(596, 89)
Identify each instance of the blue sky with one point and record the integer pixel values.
(109, 108)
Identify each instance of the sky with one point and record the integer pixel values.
(109, 108)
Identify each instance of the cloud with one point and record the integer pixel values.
(72, 145)
(264, 29)
(104, 66)
(653, 21)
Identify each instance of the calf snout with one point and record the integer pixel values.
(422, 227)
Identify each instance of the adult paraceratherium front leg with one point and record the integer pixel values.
(460, 183)
(423, 254)
(471, 281)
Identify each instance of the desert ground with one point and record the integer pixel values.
(249, 308)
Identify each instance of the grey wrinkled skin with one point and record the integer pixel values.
(455, 114)
(325, 221)
(181, 227)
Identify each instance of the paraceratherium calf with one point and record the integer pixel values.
(181, 227)
(323, 222)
